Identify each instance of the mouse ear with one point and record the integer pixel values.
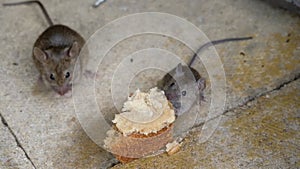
(201, 84)
(39, 54)
(74, 50)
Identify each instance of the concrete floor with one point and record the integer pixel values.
(260, 124)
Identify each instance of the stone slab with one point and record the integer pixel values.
(47, 126)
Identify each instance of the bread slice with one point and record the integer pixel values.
(144, 127)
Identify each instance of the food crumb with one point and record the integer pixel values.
(172, 148)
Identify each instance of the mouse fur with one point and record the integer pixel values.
(55, 53)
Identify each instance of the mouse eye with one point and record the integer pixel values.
(52, 77)
(183, 93)
(67, 75)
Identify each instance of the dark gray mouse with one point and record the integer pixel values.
(55, 53)
(183, 85)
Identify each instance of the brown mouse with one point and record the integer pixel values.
(183, 85)
(55, 53)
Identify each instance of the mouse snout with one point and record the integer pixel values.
(62, 89)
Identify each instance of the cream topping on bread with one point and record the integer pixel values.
(145, 113)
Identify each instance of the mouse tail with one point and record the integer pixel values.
(32, 2)
(215, 42)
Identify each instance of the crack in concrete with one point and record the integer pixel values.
(110, 163)
(250, 99)
(16, 139)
